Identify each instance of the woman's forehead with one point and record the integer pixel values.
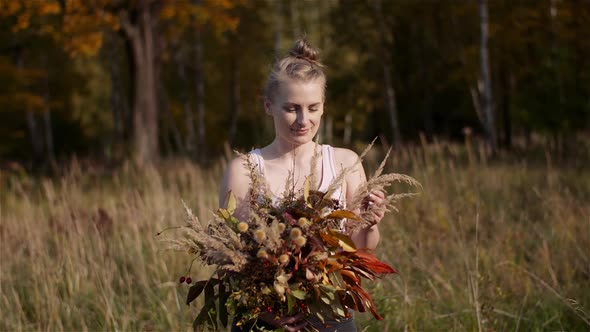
(299, 91)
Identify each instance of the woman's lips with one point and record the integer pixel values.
(301, 132)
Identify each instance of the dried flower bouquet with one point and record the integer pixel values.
(288, 256)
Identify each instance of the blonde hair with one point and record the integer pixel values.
(301, 64)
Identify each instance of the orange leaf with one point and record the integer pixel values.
(342, 214)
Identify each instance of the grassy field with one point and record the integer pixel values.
(500, 245)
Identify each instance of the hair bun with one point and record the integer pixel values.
(302, 49)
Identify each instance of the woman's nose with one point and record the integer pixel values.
(302, 118)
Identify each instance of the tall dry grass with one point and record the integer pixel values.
(486, 246)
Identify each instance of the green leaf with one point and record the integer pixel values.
(340, 312)
(299, 294)
(336, 279)
(290, 303)
(208, 314)
(329, 291)
(344, 241)
(306, 185)
(224, 213)
(195, 291)
(231, 203)
(223, 296)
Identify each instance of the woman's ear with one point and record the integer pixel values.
(267, 106)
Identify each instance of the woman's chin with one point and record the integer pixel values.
(299, 139)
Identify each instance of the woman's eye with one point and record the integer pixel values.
(313, 109)
(290, 109)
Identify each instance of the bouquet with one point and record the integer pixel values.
(287, 257)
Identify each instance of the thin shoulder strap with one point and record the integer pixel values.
(257, 158)
(328, 169)
(329, 161)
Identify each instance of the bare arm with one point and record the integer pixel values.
(366, 237)
(236, 180)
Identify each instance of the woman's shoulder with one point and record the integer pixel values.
(238, 166)
(235, 179)
(345, 157)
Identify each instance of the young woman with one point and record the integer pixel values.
(294, 98)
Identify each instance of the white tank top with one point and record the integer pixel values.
(328, 171)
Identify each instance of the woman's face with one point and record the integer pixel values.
(297, 109)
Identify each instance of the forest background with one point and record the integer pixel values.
(115, 79)
(112, 111)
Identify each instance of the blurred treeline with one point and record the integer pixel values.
(145, 79)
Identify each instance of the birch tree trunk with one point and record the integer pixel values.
(486, 98)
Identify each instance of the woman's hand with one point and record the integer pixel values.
(373, 203)
(289, 323)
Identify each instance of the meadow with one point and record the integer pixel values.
(488, 245)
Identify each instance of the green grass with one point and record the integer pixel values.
(487, 245)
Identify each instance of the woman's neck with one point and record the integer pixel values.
(285, 151)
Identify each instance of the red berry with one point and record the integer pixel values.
(189, 280)
(269, 309)
(182, 279)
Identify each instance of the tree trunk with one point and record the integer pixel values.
(48, 126)
(428, 115)
(294, 16)
(554, 62)
(487, 98)
(235, 96)
(278, 26)
(507, 82)
(145, 108)
(329, 130)
(118, 101)
(189, 121)
(387, 73)
(347, 129)
(169, 126)
(200, 96)
(34, 135)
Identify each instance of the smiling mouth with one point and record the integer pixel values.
(301, 131)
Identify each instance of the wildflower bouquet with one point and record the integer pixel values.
(288, 256)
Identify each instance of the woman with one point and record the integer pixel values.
(294, 98)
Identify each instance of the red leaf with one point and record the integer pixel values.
(369, 262)
(377, 267)
(368, 301)
(350, 276)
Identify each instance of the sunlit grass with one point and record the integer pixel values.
(487, 245)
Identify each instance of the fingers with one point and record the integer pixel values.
(378, 193)
(375, 197)
(373, 203)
